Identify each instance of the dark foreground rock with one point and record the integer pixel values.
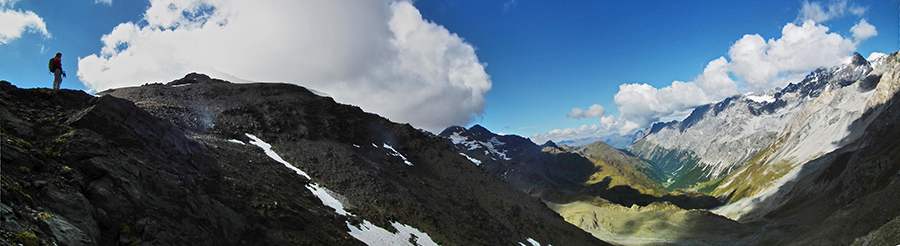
(172, 164)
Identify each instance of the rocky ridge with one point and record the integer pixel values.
(843, 196)
(717, 139)
(829, 175)
(187, 162)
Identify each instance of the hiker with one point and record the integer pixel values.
(56, 69)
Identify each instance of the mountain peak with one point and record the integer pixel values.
(451, 130)
(480, 131)
(192, 78)
(858, 60)
(549, 143)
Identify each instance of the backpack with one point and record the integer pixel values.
(52, 65)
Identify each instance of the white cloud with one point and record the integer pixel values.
(510, 4)
(799, 50)
(641, 104)
(107, 2)
(14, 23)
(7, 3)
(380, 55)
(593, 112)
(863, 30)
(818, 12)
(568, 134)
(858, 10)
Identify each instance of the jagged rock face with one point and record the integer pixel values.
(845, 195)
(830, 171)
(177, 166)
(717, 139)
(102, 171)
(820, 126)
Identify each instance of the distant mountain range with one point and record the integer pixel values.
(717, 139)
(614, 140)
(820, 154)
(811, 162)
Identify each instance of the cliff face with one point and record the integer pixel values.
(718, 139)
(202, 161)
(843, 193)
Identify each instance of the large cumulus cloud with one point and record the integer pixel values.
(13, 23)
(800, 49)
(381, 55)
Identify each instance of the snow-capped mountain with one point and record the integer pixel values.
(817, 165)
(834, 170)
(831, 121)
(717, 139)
(518, 160)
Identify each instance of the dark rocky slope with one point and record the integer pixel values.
(563, 174)
(163, 166)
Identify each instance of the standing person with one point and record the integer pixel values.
(56, 69)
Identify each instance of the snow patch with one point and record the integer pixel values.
(473, 145)
(182, 85)
(367, 232)
(326, 196)
(319, 93)
(532, 242)
(396, 153)
(269, 152)
(473, 160)
(236, 141)
(459, 139)
(374, 235)
(762, 98)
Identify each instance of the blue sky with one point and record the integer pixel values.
(516, 67)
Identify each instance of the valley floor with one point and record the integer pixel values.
(665, 224)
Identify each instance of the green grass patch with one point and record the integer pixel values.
(26, 239)
(709, 186)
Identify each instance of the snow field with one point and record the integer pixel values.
(473, 145)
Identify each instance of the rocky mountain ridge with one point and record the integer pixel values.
(717, 139)
(201, 161)
(824, 178)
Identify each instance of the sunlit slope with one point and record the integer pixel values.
(621, 167)
(662, 224)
